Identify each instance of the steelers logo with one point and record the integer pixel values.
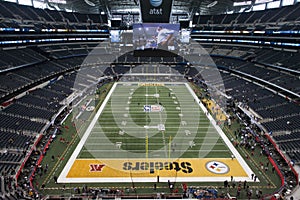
(217, 167)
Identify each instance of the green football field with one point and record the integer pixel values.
(176, 127)
(126, 102)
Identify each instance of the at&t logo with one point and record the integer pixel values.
(156, 11)
(156, 3)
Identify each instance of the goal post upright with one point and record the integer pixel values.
(170, 146)
(147, 146)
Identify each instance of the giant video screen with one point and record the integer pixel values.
(149, 38)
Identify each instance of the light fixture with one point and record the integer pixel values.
(212, 4)
(89, 3)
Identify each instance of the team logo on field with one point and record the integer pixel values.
(153, 108)
(96, 167)
(217, 167)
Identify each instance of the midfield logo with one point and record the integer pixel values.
(153, 108)
(96, 167)
(147, 108)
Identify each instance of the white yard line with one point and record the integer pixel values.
(103, 150)
(154, 179)
(160, 119)
(147, 136)
(153, 127)
(135, 144)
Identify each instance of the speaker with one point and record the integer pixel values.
(184, 24)
(116, 23)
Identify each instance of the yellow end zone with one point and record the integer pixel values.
(185, 168)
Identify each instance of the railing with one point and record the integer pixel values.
(284, 157)
(27, 157)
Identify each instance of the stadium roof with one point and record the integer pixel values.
(180, 7)
(132, 6)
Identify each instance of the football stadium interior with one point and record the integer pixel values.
(149, 99)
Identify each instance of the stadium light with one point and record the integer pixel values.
(89, 3)
(212, 4)
(128, 10)
(244, 3)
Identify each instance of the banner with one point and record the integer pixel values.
(156, 11)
